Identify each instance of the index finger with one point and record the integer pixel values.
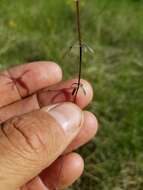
(21, 81)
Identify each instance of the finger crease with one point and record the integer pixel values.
(14, 82)
(7, 137)
(23, 134)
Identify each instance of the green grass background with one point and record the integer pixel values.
(43, 30)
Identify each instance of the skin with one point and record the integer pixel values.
(47, 76)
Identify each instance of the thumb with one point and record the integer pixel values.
(30, 143)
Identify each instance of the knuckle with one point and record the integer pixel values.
(24, 134)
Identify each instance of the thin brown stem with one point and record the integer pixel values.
(80, 45)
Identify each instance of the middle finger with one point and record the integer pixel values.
(43, 98)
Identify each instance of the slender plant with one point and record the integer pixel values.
(70, 93)
(80, 47)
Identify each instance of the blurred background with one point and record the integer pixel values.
(44, 30)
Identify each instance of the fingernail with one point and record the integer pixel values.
(68, 115)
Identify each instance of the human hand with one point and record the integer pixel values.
(35, 131)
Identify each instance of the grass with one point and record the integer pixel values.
(45, 29)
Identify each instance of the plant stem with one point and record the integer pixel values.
(80, 44)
